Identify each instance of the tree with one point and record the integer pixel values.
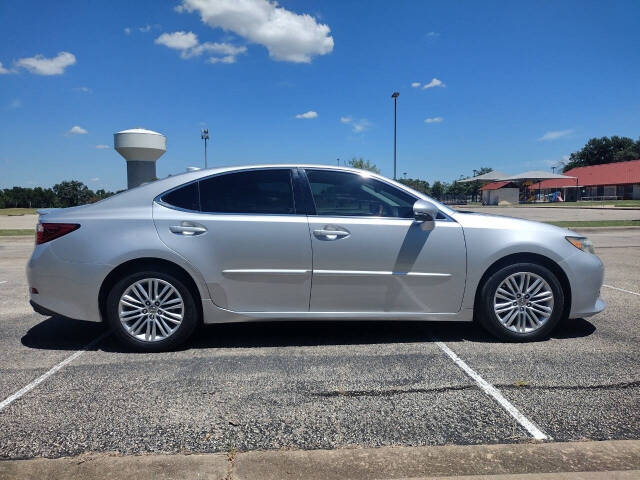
(417, 184)
(363, 164)
(604, 150)
(437, 190)
(71, 193)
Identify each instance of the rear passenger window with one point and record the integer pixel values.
(256, 191)
(184, 197)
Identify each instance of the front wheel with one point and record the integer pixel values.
(152, 311)
(521, 302)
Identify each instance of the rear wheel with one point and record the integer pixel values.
(152, 311)
(521, 302)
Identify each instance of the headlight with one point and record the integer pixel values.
(582, 243)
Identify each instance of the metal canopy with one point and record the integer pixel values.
(537, 175)
(492, 176)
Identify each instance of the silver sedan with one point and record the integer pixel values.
(302, 242)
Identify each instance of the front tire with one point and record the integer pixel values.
(521, 302)
(152, 311)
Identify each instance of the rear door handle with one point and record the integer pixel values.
(330, 234)
(187, 229)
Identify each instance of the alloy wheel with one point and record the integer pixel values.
(523, 302)
(151, 309)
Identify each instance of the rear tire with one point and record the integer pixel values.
(152, 311)
(521, 302)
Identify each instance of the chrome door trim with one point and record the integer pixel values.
(379, 272)
(271, 271)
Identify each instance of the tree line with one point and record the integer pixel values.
(69, 193)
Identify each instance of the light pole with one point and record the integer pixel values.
(205, 136)
(395, 96)
(553, 169)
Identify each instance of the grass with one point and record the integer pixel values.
(17, 211)
(597, 223)
(15, 232)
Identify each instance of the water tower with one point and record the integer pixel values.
(140, 148)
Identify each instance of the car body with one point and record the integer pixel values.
(311, 253)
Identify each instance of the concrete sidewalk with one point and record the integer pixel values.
(612, 460)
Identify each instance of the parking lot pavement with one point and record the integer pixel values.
(317, 385)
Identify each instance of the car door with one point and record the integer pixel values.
(369, 255)
(242, 231)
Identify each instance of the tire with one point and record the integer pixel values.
(495, 311)
(174, 299)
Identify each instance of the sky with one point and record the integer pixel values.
(510, 85)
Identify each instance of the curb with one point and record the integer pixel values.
(560, 460)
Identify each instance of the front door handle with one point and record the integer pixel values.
(187, 230)
(325, 234)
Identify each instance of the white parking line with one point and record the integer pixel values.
(9, 400)
(493, 392)
(4, 281)
(622, 290)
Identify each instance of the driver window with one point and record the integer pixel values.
(352, 195)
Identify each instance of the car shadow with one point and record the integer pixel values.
(59, 333)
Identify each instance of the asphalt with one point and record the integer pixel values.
(290, 386)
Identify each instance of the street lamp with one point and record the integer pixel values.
(395, 96)
(204, 135)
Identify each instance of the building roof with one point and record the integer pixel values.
(492, 176)
(605, 174)
(494, 186)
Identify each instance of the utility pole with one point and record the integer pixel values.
(338, 160)
(204, 135)
(395, 96)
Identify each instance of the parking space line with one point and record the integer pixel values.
(622, 290)
(493, 392)
(4, 281)
(27, 388)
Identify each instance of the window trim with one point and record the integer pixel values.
(315, 214)
(292, 179)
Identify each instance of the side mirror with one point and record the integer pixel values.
(424, 211)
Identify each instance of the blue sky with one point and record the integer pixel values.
(512, 85)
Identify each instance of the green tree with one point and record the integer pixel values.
(71, 193)
(363, 164)
(604, 150)
(437, 190)
(417, 184)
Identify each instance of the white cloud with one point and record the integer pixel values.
(189, 46)
(308, 115)
(127, 30)
(225, 59)
(433, 83)
(83, 89)
(357, 126)
(178, 40)
(145, 29)
(433, 120)
(4, 71)
(77, 130)
(95, 179)
(288, 36)
(17, 103)
(556, 134)
(433, 34)
(41, 65)
(361, 125)
(415, 84)
(102, 147)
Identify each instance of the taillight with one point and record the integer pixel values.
(45, 232)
